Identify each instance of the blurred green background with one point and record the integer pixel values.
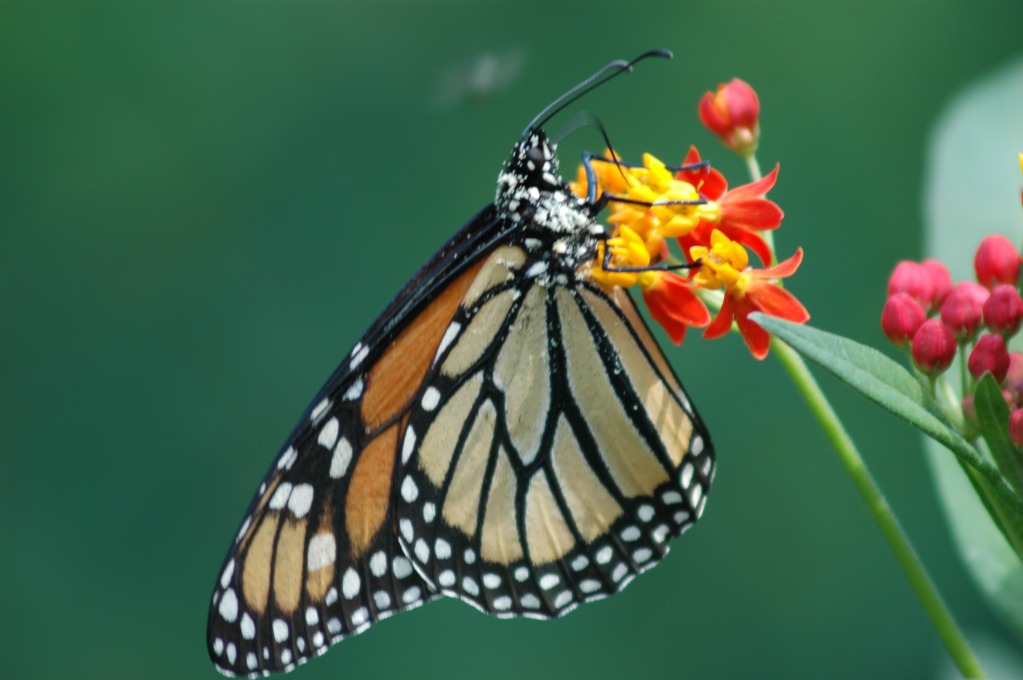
(204, 204)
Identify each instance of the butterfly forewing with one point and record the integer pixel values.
(316, 558)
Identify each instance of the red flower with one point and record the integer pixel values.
(747, 290)
(1016, 427)
(745, 210)
(901, 318)
(1003, 311)
(732, 114)
(913, 279)
(963, 309)
(989, 356)
(996, 262)
(934, 347)
(673, 304)
(941, 279)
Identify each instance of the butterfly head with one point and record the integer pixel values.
(531, 192)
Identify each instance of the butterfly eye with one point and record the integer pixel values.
(535, 154)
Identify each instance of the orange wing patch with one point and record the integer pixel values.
(369, 491)
(397, 375)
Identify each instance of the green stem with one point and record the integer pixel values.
(921, 583)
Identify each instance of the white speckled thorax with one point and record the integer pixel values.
(530, 193)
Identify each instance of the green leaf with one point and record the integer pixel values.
(987, 554)
(972, 190)
(895, 389)
(993, 415)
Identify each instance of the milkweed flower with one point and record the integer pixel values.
(743, 212)
(725, 264)
(901, 318)
(732, 113)
(934, 347)
(1003, 311)
(1016, 427)
(996, 262)
(989, 356)
(941, 281)
(671, 299)
(963, 309)
(913, 279)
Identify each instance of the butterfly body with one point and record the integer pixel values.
(507, 432)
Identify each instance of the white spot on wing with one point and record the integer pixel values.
(431, 397)
(402, 567)
(229, 606)
(320, 409)
(342, 458)
(358, 357)
(409, 490)
(408, 445)
(248, 627)
(449, 335)
(322, 551)
(378, 564)
(225, 578)
(548, 581)
(287, 458)
(300, 500)
(350, 584)
(328, 434)
(280, 496)
(355, 391)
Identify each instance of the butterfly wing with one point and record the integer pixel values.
(552, 453)
(316, 558)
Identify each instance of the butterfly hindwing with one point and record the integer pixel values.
(553, 451)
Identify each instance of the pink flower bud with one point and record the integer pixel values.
(989, 356)
(996, 261)
(963, 310)
(901, 319)
(941, 281)
(934, 347)
(1003, 311)
(1015, 375)
(914, 280)
(1016, 427)
(732, 114)
(970, 410)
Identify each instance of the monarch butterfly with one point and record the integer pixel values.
(507, 433)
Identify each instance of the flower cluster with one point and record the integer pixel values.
(714, 227)
(937, 320)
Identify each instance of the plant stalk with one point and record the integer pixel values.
(940, 617)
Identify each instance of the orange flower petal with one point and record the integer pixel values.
(722, 323)
(708, 181)
(674, 305)
(757, 339)
(756, 189)
(776, 301)
(783, 269)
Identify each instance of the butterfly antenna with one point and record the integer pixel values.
(615, 68)
(587, 119)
